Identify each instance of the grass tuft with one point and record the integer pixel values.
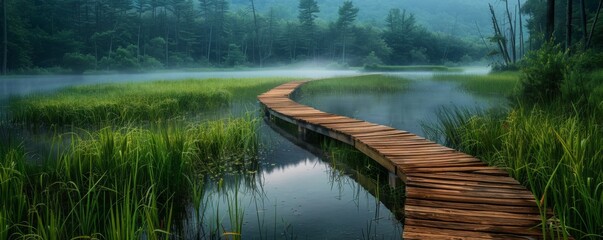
(500, 83)
(366, 83)
(121, 103)
(557, 155)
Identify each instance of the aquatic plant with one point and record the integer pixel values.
(410, 68)
(366, 83)
(123, 103)
(118, 183)
(554, 153)
(499, 83)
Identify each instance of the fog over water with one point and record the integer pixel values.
(21, 85)
(296, 193)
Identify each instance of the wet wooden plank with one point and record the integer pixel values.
(419, 232)
(472, 206)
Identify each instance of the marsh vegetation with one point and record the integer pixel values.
(118, 165)
(549, 139)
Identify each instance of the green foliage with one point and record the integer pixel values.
(434, 68)
(367, 83)
(550, 73)
(498, 83)
(149, 62)
(132, 102)
(579, 80)
(234, 57)
(140, 35)
(543, 72)
(78, 62)
(554, 153)
(117, 184)
(372, 60)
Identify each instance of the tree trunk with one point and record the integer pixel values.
(511, 32)
(550, 19)
(499, 37)
(4, 38)
(343, 50)
(568, 25)
(257, 35)
(592, 28)
(583, 21)
(521, 40)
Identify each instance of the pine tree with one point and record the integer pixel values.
(347, 16)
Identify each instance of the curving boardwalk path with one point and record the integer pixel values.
(449, 194)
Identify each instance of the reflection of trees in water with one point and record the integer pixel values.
(348, 164)
(348, 170)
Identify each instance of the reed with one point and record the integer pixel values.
(118, 183)
(499, 83)
(556, 154)
(411, 68)
(120, 103)
(366, 83)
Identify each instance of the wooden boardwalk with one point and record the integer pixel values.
(449, 194)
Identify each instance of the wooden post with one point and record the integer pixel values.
(302, 133)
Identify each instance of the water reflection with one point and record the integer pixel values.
(297, 195)
(419, 104)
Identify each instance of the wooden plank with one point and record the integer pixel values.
(469, 188)
(450, 195)
(471, 216)
(419, 232)
(515, 186)
(467, 177)
(474, 227)
(472, 206)
(436, 195)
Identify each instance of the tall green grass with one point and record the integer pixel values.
(366, 83)
(500, 83)
(434, 68)
(557, 155)
(133, 102)
(127, 183)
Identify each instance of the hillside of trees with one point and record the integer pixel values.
(149, 34)
(134, 35)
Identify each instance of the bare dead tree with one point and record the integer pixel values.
(511, 32)
(499, 38)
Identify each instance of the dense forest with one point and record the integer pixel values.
(149, 34)
(130, 35)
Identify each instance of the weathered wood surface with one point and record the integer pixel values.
(449, 194)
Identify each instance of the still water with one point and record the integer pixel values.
(296, 194)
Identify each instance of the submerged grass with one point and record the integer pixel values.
(558, 155)
(411, 68)
(500, 83)
(366, 172)
(133, 102)
(366, 83)
(127, 183)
